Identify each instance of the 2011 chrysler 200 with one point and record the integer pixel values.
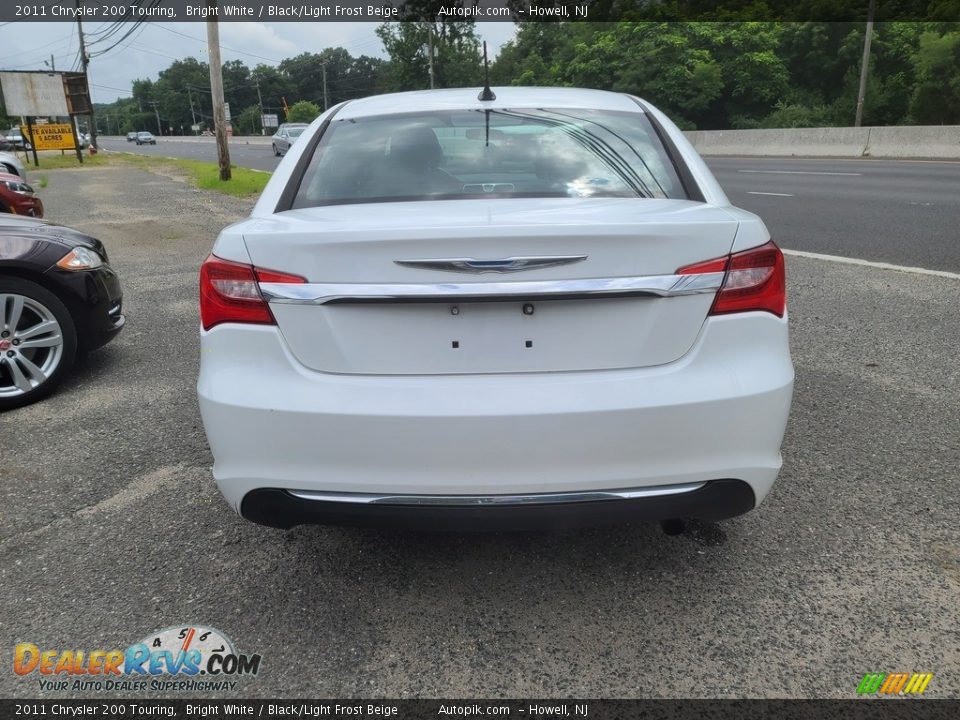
(525, 308)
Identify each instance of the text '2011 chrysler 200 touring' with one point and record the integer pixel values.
(532, 311)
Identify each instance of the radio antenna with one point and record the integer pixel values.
(486, 94)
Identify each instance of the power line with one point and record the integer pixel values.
(222, 47)
(108, 87)
(41, 47)
(36, 63)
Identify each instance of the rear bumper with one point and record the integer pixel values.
(714, 500)
(718, 413)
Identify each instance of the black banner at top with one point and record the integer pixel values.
(476, 10)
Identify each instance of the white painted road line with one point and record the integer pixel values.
(870, 263)
(755, 192)
(795, 172)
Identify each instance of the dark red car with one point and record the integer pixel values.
(18, 198)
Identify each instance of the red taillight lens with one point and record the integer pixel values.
(229, 292)
(755, 280)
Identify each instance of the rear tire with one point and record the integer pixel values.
(276, 153)
(31, 314)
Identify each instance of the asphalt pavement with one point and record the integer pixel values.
(903, 212)
(111, 526)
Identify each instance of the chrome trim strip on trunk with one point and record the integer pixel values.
(497, 500)
(650, 285)
(501, 265)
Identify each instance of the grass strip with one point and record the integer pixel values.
(205, 175)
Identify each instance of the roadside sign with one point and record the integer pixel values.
(30, 94)
(50, 137)
(226, 112)
(195, 128)
(269, 121)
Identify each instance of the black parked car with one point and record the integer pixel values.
(59, 297)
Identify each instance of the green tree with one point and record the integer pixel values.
(657, 61)
(936, 97)
(303, 112)
(248, 121)
(457, 58)
(275, 85)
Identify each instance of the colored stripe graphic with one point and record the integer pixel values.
(894, 683)
(870, 684)
(918, 683)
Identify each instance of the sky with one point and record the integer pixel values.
(153, 46)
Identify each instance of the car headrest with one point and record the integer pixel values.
(416, 147)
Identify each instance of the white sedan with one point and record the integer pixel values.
(533, 311)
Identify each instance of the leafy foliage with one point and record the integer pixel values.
(703, 74)
(303, 112)
(748, 74)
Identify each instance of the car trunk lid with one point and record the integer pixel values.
(435, 287)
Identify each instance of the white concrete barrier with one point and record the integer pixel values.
(929, 142)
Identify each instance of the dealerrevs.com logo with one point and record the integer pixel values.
(184, 657)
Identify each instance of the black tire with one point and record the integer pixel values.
(68, 331)
(276, 153)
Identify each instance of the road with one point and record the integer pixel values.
(111, 527)
(900, 212)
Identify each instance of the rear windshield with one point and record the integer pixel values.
(488, 153)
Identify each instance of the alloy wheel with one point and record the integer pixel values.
(31, 344)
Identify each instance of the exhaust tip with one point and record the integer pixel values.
(673, 526)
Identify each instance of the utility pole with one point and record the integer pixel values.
(430, 51)
(85, 60)
(865, 65)
(216, 90)
(263, 130)
(193, 115)
(157, 113)
(326, 101)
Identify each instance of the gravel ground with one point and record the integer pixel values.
(112, 527)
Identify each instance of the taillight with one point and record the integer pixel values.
(755, 280)
(229, 292)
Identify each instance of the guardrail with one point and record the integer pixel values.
(936, 142)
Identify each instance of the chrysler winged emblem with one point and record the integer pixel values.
(499, 265)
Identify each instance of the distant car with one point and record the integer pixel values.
(15, 138)
(285, 136)
(17, 197)
(11, 164)
(513, 308)
(59, 297)
(145, 138)
(131, 137)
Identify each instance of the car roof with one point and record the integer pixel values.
(467, 99)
